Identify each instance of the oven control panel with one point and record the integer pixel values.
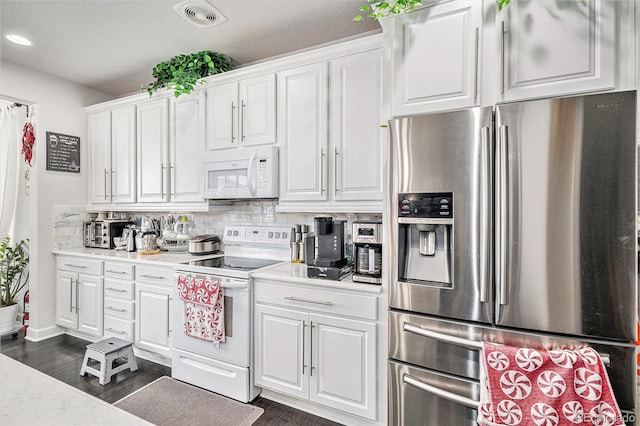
(279, 236)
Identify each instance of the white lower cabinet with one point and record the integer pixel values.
(79, 297)
(326, 359)
(153, 308)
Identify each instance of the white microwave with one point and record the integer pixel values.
(243, 173)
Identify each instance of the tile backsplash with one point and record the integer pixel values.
(68, 219)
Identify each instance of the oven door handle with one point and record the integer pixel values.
(449, 396)
(416, 329)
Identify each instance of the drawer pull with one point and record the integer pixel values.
(71, 265)
(116, 331)
(111, 308)
(155, 277)
(296, 299)
(115, 272)
(119, 290)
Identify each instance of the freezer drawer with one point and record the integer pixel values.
(422, 397)
(453, 347)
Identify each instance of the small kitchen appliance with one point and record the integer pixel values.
(367, 249)
(204, 244)
(100, 233)
(325, 250)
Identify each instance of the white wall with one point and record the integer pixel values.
(58, 108)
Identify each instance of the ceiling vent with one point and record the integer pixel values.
(199, 13)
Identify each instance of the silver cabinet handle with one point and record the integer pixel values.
(242, 124)
(113, 172)
(162, 169)
(311, 348)
(322, 170)
(119, 290)
(335, 171)
(116, 331)
(155, 277)
(449, 396)
(168, 310)
(485, 213)
(233, 113)
(70, 294)
(476, 66)
(77, 295)
(71, 265)
(105, 184)
(115, 272)
(171, 179)
(304, 327)
(502, 60)
(296, 299)
(111, 308)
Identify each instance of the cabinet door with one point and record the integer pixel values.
(152, 132)
(66, 299)
(222, 116)
(435, 57)
(100, 158)
(90, 304)
(303, 132)
(343, 367)
(187, 148)
(258, 110)
(123, 154)
(552, 48)
(356, 133)
(152, 318)
(282, 350)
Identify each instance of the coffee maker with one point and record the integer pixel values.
(324, 251)
(367, 250)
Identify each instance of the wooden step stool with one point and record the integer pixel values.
(105, 352)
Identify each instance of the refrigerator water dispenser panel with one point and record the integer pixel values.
(426, 235)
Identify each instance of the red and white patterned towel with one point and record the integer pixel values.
(203, 308)
(520, 386)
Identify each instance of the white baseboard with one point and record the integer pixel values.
(39, 334)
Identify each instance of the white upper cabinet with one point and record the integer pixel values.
(123, 154)
(356, 136)
(187, 147)
(435, 53)
(153, 139)
(303, 132)
(112, 156)
(100, 158)
(242, 113)
(550, 48)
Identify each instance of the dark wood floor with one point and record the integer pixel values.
(61, 357)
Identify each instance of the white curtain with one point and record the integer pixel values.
(9, 170)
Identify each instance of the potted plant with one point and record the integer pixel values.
(182, 72)
(14, 275)
(378, 9)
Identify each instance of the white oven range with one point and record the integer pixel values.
(227, 368)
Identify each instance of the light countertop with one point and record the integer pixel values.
(297, 273)
(163, 258)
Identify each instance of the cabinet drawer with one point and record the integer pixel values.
(158, 276)
(80, 265)
(311, 299)
(118, 270)
(119, 289)
(119, 308)
(116, 327)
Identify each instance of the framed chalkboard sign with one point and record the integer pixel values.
(63, 152)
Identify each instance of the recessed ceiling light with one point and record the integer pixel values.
(18, 39)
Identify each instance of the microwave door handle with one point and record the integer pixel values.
(449, 396)
(251, 175)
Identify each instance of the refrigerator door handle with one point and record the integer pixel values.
(485, 213)
(503, 216)
(449, 396)
(416, 329)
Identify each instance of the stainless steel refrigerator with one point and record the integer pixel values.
(513, 224)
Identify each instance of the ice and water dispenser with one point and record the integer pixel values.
(425, 238)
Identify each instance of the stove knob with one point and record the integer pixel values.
(270, 234)
(235, 233)
(277, 235)
(284, 235)
(229, 232)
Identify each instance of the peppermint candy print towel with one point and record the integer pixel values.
(203, 301)
(520, 386)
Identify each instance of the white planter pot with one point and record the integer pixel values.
(8, 315)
